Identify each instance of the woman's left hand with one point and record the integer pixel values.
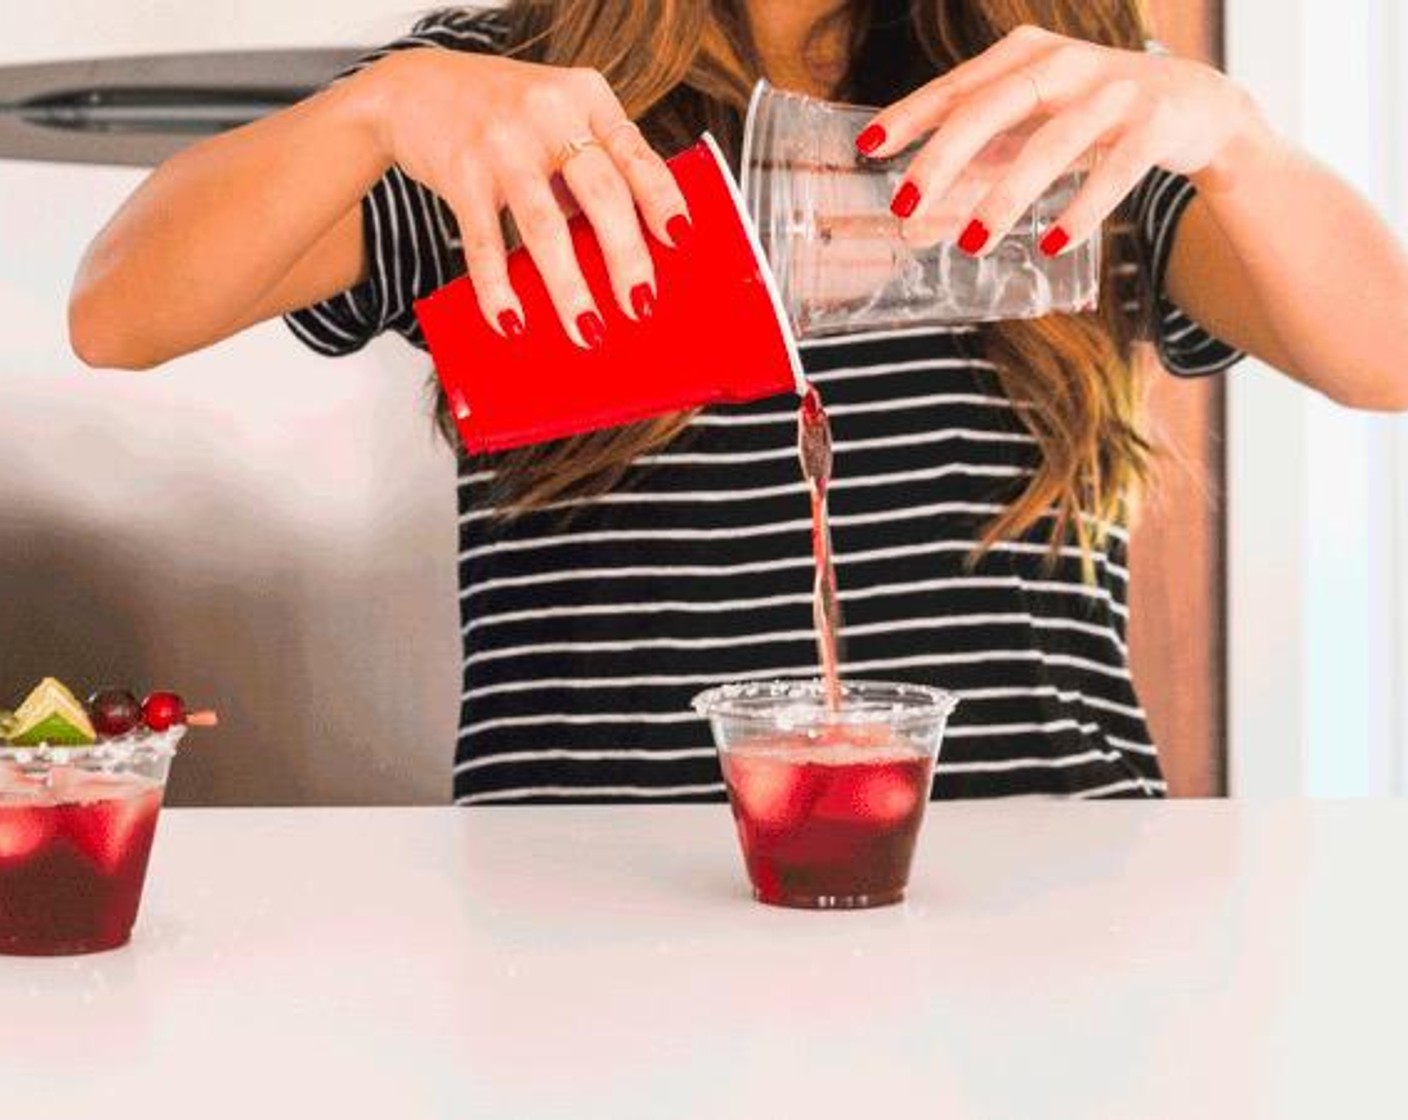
(1137, 110)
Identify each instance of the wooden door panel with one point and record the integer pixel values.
(1176, 586)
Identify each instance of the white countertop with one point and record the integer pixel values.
(1130, 961)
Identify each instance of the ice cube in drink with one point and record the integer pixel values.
(830, 820)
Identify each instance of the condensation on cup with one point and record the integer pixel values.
(823, 218)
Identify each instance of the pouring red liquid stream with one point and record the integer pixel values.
(814, 450)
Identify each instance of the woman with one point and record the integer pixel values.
(981, 543)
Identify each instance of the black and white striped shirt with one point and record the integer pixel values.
(585, 637)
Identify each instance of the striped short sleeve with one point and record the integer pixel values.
(412, 241)
(1186, 348)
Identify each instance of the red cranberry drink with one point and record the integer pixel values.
(830, 820)
(828, 801)
(80, 791)
(73, 857)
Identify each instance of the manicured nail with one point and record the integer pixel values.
(905, 200)
(510, 324)
(1055, 240)
(642, 301)
(678, 230)
(973, 237)
(592, 329)
(870, 138)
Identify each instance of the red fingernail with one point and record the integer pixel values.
(678, 229)
(870, 138)
(592, 329)
(905, 200)
(510, 324)
(973, 237)
(1055, 240)
(642, 301)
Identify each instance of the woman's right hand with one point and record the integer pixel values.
(488, 134)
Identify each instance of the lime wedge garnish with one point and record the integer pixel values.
(50, 714)
(56, 730)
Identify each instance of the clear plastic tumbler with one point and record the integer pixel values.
(76, 828)
(828, 803)
(823, 218)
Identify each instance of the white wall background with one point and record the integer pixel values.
(1318, 496)
(269, 532)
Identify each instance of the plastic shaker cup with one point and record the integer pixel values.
(823, 216)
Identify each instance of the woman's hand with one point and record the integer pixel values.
(488, 134)
(1133, 109)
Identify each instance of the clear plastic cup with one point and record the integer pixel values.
(828, 804)
(823, 217)
(76, 830)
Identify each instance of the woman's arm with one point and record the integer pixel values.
(229, 232)
(266, 219)
(1281, 258)
(1277, 256)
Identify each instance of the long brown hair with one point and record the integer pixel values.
(682, 66)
